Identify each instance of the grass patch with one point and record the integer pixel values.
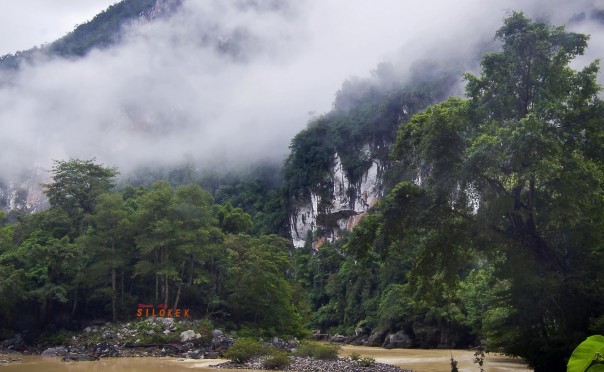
(318, 351)
(244, 349)
(277, 360)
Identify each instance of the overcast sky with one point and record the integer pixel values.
(28, 23)
(168, 92)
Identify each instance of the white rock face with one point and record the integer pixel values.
(24, 193)
(345, 208)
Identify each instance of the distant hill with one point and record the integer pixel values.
(104, 30)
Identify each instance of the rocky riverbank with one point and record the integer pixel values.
(305, 364)
(166, 337)
(152, 337)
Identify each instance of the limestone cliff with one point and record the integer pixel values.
(23, 193)
(327, 214)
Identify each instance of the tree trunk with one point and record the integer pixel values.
(114, 294)
(166, 287)
(122, 295)
(113, 285)
(156, 288)
(182, 274)
(75, 304)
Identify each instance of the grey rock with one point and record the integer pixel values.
(109, 335)
(338, 338)
(377, 337)
(189, 335)
(194, 354)
(398, 340)
(217, 333)
(212, 355)
(54, 351)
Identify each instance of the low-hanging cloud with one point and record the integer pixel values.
(233, 82)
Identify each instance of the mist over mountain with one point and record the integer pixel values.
(230, 83)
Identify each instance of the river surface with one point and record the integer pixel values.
(417, 360)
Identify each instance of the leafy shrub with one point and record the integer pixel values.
(55, 338)
(318, 351)
(278, 360)
(205, 331)
(355, 356)
(244, 349)
(588, 355)
(366, 361)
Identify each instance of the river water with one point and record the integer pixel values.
(415, 359)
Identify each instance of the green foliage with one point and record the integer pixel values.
(276, 360)
(496, 175)
(244, 349)
(75, 186)
(260, 294)
(359, 129)
(55, 337)
(258, 192)
(102, 31)
(318, 351)
(588, 356)
(233, 220)
(355, 356)
(366, 362)
(492, 226)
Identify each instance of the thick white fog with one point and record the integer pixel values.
(220, 82)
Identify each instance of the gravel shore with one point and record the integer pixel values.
(301, 364)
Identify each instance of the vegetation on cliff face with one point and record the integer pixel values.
(497, 235)
(360, 128)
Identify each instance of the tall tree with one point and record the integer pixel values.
(520, 164)
(109, 238)
(75, 186)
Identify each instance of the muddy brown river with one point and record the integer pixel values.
(417, 360)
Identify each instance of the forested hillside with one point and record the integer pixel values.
(97, 254)
(102, 31)
(484, 229)
(497, 235)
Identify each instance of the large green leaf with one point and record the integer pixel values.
(585, 353)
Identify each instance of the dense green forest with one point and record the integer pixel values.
(491, 232)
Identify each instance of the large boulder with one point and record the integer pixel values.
(15, 343)
(221, 341)
(360, 340)
(338, 338)
(398, 340)
(377, 337)
(54, 351)
(189, 335)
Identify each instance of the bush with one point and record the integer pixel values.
(318, 351)
(366, 361)
(244, 349)
(355, 356)
(205, 331)
(278, 360)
